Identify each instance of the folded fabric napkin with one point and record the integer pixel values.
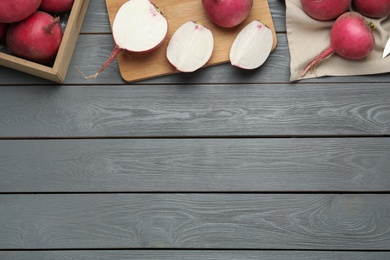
(308, 37)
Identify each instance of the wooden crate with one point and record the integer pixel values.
(58, 71)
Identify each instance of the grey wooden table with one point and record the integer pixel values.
(218, 164)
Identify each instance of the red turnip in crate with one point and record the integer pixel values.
(56, 6)
(12, 11)
(36, 38)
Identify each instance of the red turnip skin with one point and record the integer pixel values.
(350, 37)
(325, 10)
(36, 38)
(227, 13)
(12, 11)
(3, 30)
(56, 6)
(373, 9)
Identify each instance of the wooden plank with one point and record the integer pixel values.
(96, 20)
(202, 221)
(207, 110)
(88, 57)
(196, 165)
(192, 254)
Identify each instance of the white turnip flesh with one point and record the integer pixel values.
(372, 9)
(252, 46)
(36, 38)
(190, 47)
(138, 27)
(12, 11)
(227, 13)
(351, 37)
(56, 6)
(325, 10)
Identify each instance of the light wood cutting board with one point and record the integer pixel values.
(134, 67)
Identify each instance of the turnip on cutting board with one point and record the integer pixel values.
(134, 67)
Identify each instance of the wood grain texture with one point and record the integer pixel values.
(204, 221)
(89, 56)
(191, 255)
(191, 165)
(199, 110)
(253, 166)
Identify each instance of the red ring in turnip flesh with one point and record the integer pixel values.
(252, 46)
(190, 47)
(138, 27)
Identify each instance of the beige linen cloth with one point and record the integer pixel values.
(307, 38)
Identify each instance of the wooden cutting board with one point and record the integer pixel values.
(134, 67)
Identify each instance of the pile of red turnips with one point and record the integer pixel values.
(30, 29)
(351, 36)
(192, 44)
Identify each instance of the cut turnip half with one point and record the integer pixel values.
(252, 46)
(138, 26)
(190, 47)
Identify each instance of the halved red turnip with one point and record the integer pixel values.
(139, 27)
(190, 47)
(252, 46)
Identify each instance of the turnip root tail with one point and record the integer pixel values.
(323, 55)
(112, 57)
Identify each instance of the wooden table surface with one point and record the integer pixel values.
(217, 164)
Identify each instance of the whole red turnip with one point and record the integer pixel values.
(373, 9)
(56, 6)
(3, 29)
(12, 11)
(324, 10)
(227, 13)
(350, 37)
(36, 38)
